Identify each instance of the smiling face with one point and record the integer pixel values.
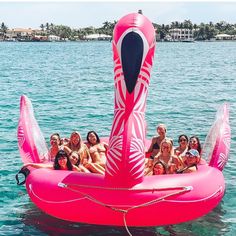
(75, 138)
(161, 130)
(190, 159)
(183, 142)
(74, 157)
(166, 147)
(158, 169)
(92, 138)
(54, 140)
(193, 143)
(62, 160)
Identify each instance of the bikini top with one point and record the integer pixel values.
(156, 146)
(168, 163)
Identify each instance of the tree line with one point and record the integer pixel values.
(200, 32)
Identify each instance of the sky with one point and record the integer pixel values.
(79, 14)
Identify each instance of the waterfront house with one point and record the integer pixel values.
(39, 38)
(19, 33)
(97, 37)
(224, 37)
(181, 34)
(53, 38)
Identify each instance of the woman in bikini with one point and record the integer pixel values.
(55, 142)
(166, 155)
(97, 150)
(159, 168)
(76, 144)
(61, 162)
(75, 160)
(183, 145)
(194, 143)
(155, 146)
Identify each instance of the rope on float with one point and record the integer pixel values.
(53, 202)
(125, 212)
(122, 189)
(182, 190)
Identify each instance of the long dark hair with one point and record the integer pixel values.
(56, 165)
(58, 135)
(163, 165)
(98, 139)
(183, 135)
(199, 148)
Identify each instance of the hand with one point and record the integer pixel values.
(172, 168)
(64, 141)
(150, 162)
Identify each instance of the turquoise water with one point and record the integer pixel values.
(71, 87)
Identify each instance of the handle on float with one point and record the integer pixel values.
(23, 171)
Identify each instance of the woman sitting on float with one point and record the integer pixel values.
(190, 160)
(55, 142)
(61, 162)
(183, 145)
(97, 150)
(166, 155)
(76, 161)
(194, 143)
(159, 168)
(76, 144)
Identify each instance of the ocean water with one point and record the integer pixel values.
(71, 88)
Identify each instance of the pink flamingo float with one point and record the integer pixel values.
(124, 196)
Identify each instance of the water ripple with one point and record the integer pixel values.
(71, 87)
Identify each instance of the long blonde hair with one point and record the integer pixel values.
(80, 144)
(170, 143)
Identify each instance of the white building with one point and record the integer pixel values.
(224, 37)
(53, 38)
(98, 37)
(181, 34)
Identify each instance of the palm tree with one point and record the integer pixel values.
(51, 27)
(81, 33)
(108, 27)
(209, 33)
(200, 34)
(175, 25)
(188, 24)
(89, 30)
(47, 26)
(3, 30)
(42, 27)
(195, 26)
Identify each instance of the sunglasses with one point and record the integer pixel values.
(193, 141)
(62, 157)
(183, 140)
(189, 155)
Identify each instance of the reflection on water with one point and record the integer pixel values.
(43, 224)
(210, 224)
(186, 88)
(39, 223)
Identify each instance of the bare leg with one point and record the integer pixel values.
(95, 168)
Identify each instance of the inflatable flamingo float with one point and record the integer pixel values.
(124, 196)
